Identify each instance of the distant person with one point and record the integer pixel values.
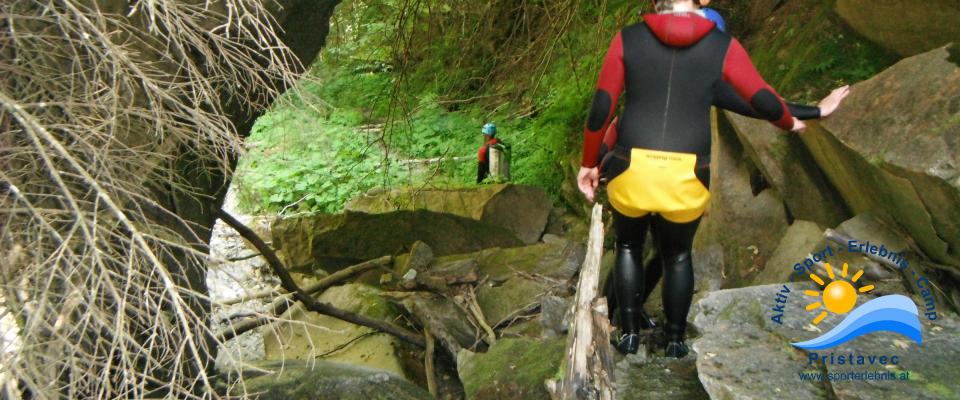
(489, 131)
(669, 67)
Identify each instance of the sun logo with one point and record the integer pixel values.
(839, 297)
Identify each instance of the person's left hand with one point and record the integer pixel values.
(830, 103)
(587, 180)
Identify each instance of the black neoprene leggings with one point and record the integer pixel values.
(673, 242)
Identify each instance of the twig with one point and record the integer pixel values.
(471, 299)
(324, 283)
(309, 302)
(344, 345)
(428, 363)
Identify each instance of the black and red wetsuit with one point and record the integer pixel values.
(483, 159)
(672, 67)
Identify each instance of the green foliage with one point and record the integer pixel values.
(804, 61)
(432, 73)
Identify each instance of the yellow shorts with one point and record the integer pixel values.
(662, 182)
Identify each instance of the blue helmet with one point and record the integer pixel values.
(714, 16)
(489, 129)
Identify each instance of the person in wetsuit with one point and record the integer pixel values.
(489, 131)
(658, 171)
(726, 98)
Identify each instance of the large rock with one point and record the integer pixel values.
(308, 380)
(904, 26)
(524, 210)
(801, 239)
(788, 166)
(742, 229)
(892, 149)
(931, 367)
(558, 260)
(306, 335)
(331, 242)
(511, 369)
(743, 354)
(513, 298)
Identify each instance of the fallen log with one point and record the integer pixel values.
(588, 368)
(299, 294)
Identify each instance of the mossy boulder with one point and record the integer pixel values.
(308, 380)
(738, 339)
(512, 298)
(523, 210)
(331, 242)
(892, 150)
(514, 368)
(903, 26)
(306, 335)
(558, 260)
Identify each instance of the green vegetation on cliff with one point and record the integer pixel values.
(401, 82)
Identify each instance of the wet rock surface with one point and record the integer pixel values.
(652, 377)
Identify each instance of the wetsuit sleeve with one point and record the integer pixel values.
(740, 73)
(609, 87)
(804, 112)
(728, 99)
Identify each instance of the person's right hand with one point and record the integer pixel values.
(587, 180)
(798, 126)
(830, 103)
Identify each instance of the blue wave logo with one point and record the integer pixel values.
(893, 313)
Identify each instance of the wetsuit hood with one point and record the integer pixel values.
(679, 29)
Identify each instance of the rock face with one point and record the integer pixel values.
(801, 239)
(331, 242)
(903, 26)
(304, 380)
(511, 369)
(524, 210)
(892, 149)
(788, 166)
(740, 229)
(743, 354)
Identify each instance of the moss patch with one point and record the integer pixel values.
(512, 369)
